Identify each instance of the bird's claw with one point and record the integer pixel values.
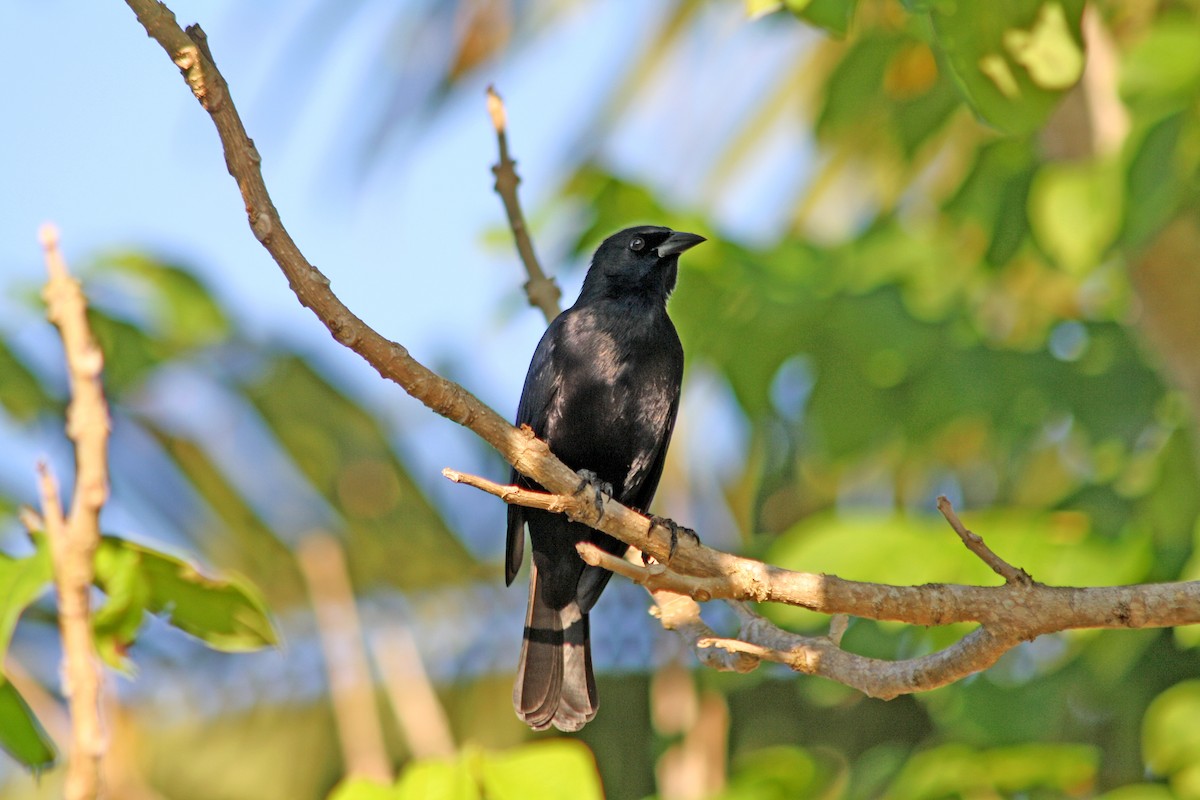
(676, 529)
(590, 480)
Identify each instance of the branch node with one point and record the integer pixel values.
(1014, 576)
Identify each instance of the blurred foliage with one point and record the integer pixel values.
(979, 291)
(972, 334)
(549, 770)
(227, 615)
(172, 354)
(21, 734)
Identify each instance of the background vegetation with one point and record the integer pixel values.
(971, 270)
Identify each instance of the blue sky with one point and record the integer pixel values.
(107, 142)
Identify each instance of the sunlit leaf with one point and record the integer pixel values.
(834, 16)
(22, 580)
(1170, 736)
(1075, 211)
(21, 735)
(437, 780)
(227, 614)
(364, 789)
(1012, 59)
(556, 769)
(1161, 73)
(1050, 51)
(760, 8)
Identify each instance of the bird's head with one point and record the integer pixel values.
(641, 261)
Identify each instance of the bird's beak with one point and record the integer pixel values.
(677, 242)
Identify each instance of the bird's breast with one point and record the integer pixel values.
(616, 396)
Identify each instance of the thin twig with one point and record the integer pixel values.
(974, 542)
(73, 540)
(543, 292)
(655, 577)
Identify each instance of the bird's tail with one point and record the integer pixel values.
(555, 685)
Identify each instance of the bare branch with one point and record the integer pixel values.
(681, 614)
(73, 540)
(976, 545)
(1007, 614)
(1010, 614)
(822, 656)
(543, 292)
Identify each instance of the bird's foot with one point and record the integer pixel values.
(676, 529)
(590, 480)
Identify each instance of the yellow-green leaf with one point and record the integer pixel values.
(227, 614)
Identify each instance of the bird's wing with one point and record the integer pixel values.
(537, 398)
(647, 469)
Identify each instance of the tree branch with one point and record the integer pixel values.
(73, 540)
(976, 545)
(543, 292)
(1007, 614)
(1018, 611)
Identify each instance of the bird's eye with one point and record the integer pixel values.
(637, 244)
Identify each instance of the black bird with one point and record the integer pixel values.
(602, 391)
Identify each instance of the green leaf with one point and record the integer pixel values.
(1075, 211)
(555, 769)
(21, 393)
(183, 312)
(1170, 735)
(1162, 70)
(173, 313)
(130, 354)
(1012, 59)
(21, 735)
(995, 194)
(887, 85)
(958, 770)
(774, 773)
(22, 580)
(226, 614)
(834, 16)
(1156, 180)
(437, 780)
(127, 596)
(363, 789)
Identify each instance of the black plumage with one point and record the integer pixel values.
(602, 390)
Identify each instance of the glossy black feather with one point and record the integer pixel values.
(603, 391)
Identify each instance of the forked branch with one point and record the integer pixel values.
(1008, 614)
